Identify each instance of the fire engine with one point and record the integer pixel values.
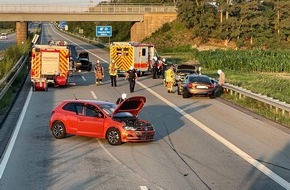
(49, 64)
(138, 55)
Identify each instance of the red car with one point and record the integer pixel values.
(100, 119)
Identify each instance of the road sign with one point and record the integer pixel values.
(62, 24)
(103, 31)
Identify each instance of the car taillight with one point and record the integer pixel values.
(189, 85)
(211, 86)
(32, 72)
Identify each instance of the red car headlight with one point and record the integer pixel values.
(128, 128)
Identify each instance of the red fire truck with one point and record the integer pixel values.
(49, 64)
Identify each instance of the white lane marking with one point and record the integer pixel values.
(225, 142)
(94, 95)
(8, 151)
(84, 78)
(143, 188)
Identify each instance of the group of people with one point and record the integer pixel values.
(131, 75)
(170, 79)
(99, 73)
(159, 67)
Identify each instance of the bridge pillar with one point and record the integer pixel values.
(151, 23)
(21, 32)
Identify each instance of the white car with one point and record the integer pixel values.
(3, 36)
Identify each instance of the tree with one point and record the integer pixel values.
(8, 25)
(282, 20)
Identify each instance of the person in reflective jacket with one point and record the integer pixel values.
(99, 73)
(169, 79)
(131, 75)
(113, 73)
(164, 67)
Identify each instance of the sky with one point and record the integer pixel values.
(72, 2)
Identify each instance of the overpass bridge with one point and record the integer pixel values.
(147, 18)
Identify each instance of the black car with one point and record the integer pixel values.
(83, 62)
(182, 70)
(195, 84)
(84, 55)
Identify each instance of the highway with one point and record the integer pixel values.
(8, 42)
(11, 40)
(200, 143)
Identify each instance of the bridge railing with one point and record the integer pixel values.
(100, 8)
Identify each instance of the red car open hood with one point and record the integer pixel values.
(132, 105)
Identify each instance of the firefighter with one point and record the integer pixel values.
(131, 75)
(113, 73)
(99, 73)
(169, 78)
(164, 66)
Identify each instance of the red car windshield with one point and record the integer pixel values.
(108, 108)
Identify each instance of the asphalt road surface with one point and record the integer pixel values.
(7, 42)
(200, 143)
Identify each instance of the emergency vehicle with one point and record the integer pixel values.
(138, 55)
(49, 64)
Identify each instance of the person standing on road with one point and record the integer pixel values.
(113, 73)
(99, 73)
(164, 67)
(154, 68)
(219, 88)
(131, 75)
(169, 79)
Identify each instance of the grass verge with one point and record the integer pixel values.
(7, 101)
(260, 108)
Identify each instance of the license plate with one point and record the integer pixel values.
(202, 87)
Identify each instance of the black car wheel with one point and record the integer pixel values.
(211, 96)
(113, 136)
(178, 90)
(185, 94)
(89, 68)
(58, 130)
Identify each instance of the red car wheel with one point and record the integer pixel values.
(58, 130)
(114, 137)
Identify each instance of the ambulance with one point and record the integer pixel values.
(136, 54)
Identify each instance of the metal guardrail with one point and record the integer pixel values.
(8, 79)
(81, 8)
(262, 98)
